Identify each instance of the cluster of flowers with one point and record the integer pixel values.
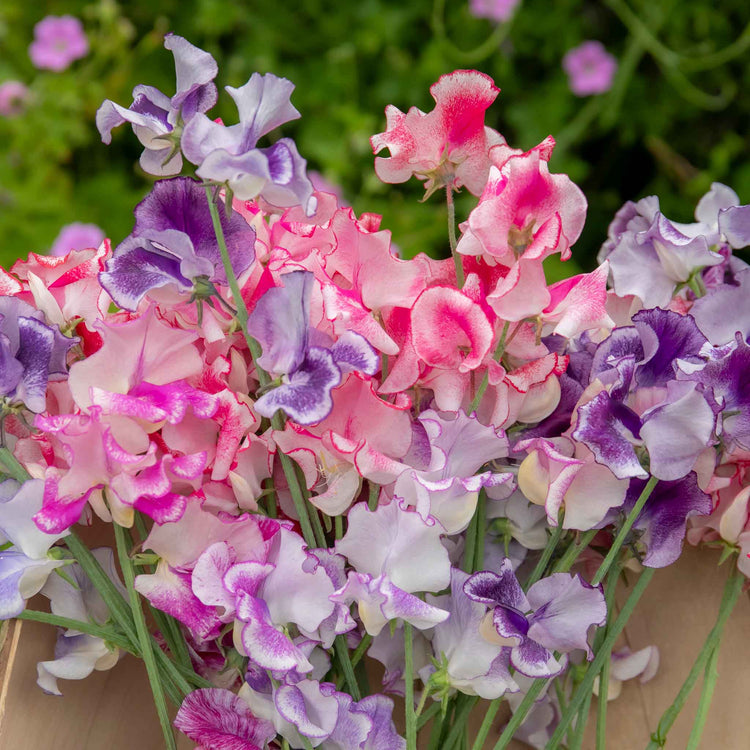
(291, 420)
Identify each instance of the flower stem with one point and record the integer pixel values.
(547, 553)
(458, 262)
(458, 726)
(411, 718)
(11, 466)
(342, 651)
(498, 353)
(109, 635)
(584, 689)
(580, 727)
(614, 550)
(520, 714)
(144, 638)
(601, 715)
(484, 730)
(481, 526)
(573, 552)
(732, 591)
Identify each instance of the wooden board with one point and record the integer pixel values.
(113, 709)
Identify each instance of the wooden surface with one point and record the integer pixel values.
(113, 710)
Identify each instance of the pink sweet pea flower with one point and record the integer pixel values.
(495, 10)
(13, 97)
(76, 236)
(58, 41)
(590, 69)
(448, 146)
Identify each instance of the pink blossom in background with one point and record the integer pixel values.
(495, 10)
(58, 41)
(76, 236)
(13, 96)
(590, 69)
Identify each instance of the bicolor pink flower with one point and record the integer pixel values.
(590, 69)
(448, 146)
(58, 41)
(13, 98)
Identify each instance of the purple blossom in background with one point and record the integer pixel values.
(495, 10)
(590, 68)
(76, 236)
(13, 97)
(156, 118)
(58, 41)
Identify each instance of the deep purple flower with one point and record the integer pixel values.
(230, 154)
(495, 10)
(13, 97)
(173, 242)
(662, 520)
(217, 719)
(555, 615)
(281, 324)
(76, 236)
(58, 41)
(31, 353)
(590, 69)
(157, 119)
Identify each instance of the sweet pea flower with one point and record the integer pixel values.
(58, 41)
(448, 146)
(590, 69)
(13, 98)
(76, 236)
(157, 119)
(494, 10)
(627, 665)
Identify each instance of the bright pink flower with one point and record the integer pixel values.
(13, 97)
(495, 10)
(448, 146)
(590, 69)
(58, 41)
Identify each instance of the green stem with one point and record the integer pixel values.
(547, 553)
(574, 550)
(614, 550)
(144, 638)
(12, 467)
(498, 353)
(481, 523)
(98, 631)
(423, 718)
(584, 689)
(709, 683)
(458, 726)
(457, 260)
(467, 564)
(411, 719)
(373, 494)
(484, 729)
(342, 652)
(520, 714)
(601, 715)
(581, 721)
(359, 652)
(732, 591)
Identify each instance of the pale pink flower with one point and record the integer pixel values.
(58, 41)
(76, 236)
(13, 97)
(495, 10)
(590, 69)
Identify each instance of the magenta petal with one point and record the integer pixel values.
(219, 720)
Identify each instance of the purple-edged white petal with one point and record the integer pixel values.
(207, 578)
(565, 607)
(383, 735)
(734, 224)
(305, 706)
(263, 643)
(21, 578)
(534, 660)
(492, 588)
(76, 657)
(353, 351)
(217, 719)
(352, 726)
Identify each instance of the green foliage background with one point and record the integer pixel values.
(675, 120)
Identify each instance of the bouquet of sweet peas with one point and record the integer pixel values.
(314, 455)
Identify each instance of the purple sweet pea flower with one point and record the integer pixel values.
(31, 354)
(220, 720)
(173, 242)
(281, 324)
(555, 615)
(725, 309)
(76, 236)
(158, 120)
(58, 41)
(229, 154)
(13, 98)
(590, 69)
(662, 520)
